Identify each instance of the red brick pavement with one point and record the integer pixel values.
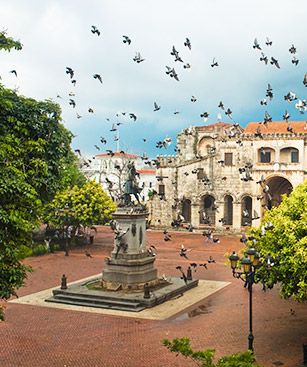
(38, 336)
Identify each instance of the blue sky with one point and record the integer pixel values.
(56, 34)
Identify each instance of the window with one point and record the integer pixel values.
(294, 156)
(265, 156)
(161, 190)
(228, 159)
(208, 202)
(200, 173)
(150, 184)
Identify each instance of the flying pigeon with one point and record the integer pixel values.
(95, 30)
(187, 43)
(256, 44)
(126, 40)
(98, 77)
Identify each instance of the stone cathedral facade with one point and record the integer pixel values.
(225, 177)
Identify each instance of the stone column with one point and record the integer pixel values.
(237, 213)
(195, 214)
(219, 214)
(256, 205)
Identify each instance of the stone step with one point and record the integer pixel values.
(98, 303)
(89, 296)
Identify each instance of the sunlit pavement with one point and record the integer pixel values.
(44, 336)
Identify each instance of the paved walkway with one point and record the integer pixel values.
(44, 336)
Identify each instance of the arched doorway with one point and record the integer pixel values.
(277, 186)
(228, 210)
(207, 210)
(186, 210)
(246, 211)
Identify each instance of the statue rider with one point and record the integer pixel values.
(131, 187)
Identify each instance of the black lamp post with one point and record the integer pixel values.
(249, 265)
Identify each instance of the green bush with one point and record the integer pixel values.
(54, 247)
(23, 252)
(204, 358)
(39, 250)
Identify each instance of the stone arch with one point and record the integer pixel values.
(246, 210)
(204, 145)
(228, 210)
(278, 185)
(207, 209)
(186, 210)
(289, 155)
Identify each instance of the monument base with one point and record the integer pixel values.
(85, 294)
(129, 271)
(129, 280)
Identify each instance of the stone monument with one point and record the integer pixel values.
(130, 265)
(129, 280)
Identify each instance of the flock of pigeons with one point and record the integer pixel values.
(183, 252)
(300, 104)
(172, 71)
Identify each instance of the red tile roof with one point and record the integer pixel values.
(276, 127)
(145, 171)
(118, 154)
(211, 127)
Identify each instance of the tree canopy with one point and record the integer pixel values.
(80, 207)
(281, 240)
(7, 43)
(35, 162)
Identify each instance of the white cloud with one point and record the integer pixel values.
(57, 34)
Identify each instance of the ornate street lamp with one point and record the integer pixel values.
(249, 265)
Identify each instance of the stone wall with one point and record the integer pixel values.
(198, 170)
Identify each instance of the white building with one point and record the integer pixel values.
(110, 171)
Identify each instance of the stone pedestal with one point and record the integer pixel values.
(130, 265)
(126, 271)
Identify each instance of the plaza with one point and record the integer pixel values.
(40, 335)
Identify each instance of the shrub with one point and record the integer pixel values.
(39, 250)
(54, 247)
(204, 358)
(23, 252)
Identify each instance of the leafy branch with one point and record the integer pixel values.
(204, 358)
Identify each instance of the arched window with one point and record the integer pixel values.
(246, 211)
(228, 210)
(207, 210)
(205, 145)
(266, 155)
(289, 155)
(186, 210)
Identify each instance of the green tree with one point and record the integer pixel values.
(80, 207)
(71, 174)
(35, 156)
(7, 43)
(204, 358)
(281, 239)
